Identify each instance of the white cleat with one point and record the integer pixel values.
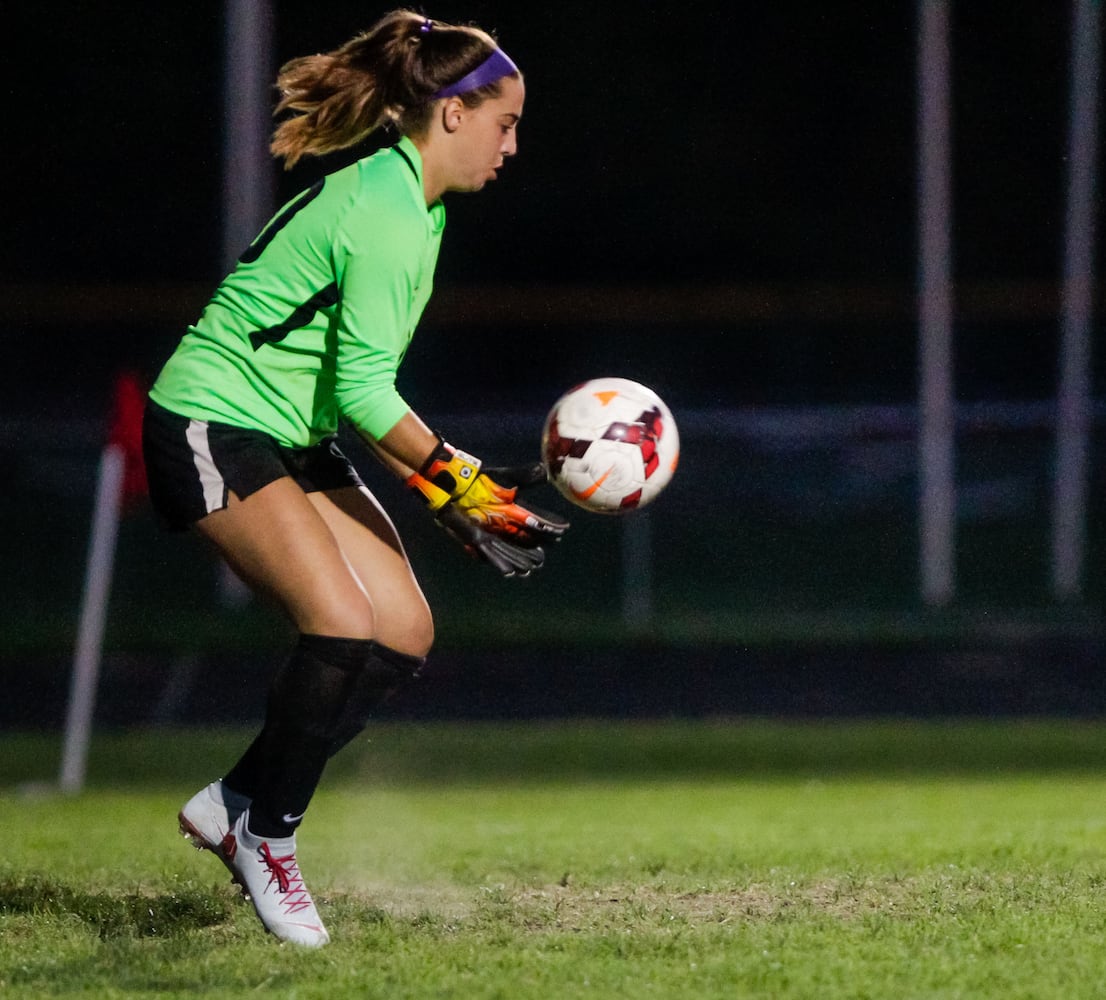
(270, 878)
(208, 816)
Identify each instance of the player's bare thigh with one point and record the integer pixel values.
(278, 542)
(372, 547)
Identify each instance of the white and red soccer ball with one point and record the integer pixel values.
(610, 445)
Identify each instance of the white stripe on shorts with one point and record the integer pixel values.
(213, 485)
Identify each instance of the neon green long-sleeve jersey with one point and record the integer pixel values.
(314, 320)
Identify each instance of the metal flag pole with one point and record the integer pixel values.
(90, 634)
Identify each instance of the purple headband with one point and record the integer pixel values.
(495, 67)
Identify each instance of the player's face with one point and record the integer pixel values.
(486, 137)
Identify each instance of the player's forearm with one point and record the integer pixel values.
(407, 446)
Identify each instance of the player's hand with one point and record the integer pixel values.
(492, 503)
(453, 478)
(503, 555)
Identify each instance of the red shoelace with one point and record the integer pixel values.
(286, 873)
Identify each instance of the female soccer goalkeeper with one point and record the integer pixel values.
(239, 433)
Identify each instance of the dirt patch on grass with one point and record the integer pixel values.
(568, 907)
(841, 898)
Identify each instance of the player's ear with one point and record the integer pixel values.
(453, 113)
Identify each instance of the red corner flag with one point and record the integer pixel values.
(128, 404)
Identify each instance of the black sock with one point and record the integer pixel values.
(368, 673)
(286, 761)
(383, 671)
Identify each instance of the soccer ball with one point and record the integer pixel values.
(610, 445)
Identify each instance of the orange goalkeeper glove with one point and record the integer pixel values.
(451, 482)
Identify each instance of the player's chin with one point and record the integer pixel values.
(471, 186)
(476, 183)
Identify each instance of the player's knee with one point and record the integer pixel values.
(353, 620)
(418, 636)
(412, 633)
(406, 627)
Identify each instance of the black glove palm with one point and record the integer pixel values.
(478, 508)
(508, 558)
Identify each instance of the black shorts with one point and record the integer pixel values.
(192, 465)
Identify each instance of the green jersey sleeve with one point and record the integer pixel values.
(384, 268)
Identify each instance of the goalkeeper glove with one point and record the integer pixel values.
(451, 481)
(507, 557)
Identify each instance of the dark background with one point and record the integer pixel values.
(685, 146)
(718, 200)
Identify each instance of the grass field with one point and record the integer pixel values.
(733, 858)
